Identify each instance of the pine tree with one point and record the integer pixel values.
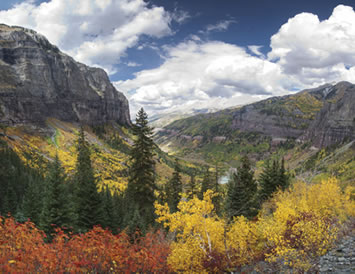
(141, 183)
(192, 187)
(55, 209)
(33, 199)
(174, 188)
(207, 183)
(273, 177)
(266, 182)
(108, 209)
(241, 192)
(88, 204)
(216, 200)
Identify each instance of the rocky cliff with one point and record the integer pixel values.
(335, 122)
(38, 81)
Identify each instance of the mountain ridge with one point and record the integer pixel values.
(297, 116)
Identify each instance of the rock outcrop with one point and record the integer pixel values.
(335, 122)
(38, 81)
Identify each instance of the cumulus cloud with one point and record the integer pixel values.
(95, 32)
(199, 74)
(305, 52)
(317, 51)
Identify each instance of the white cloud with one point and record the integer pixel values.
(220, 26)
(95, 32)
(317, 51)
(306, 52)
(256, 50)
(203, 74)
(132, 64)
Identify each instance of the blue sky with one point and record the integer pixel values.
(181, 55)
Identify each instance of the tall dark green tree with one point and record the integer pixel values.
(88, 203)
(174, 188)
(108, 209)
(141, 184)
(273, 176)
(241, 192)
(192, 186)
(56, 210)
(206, 184)
(33, 199)
(217, 199)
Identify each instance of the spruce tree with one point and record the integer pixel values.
(266, 182)
(88, 204)
(272, 177)
(55, 209)
(174, 188)
(216, 200)
(141, 184)
(241, 192)
(192, 187)
(108, 209)
(207, 183)
(33, 200)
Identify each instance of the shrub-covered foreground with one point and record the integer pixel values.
(292, 229)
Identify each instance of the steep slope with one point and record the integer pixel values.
(335, 122)
(37, 81)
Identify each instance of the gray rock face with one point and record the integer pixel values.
(37, 81)
(332, 123)
(336, 120)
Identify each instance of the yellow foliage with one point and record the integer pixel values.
(303, 224)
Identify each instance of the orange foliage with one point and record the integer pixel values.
(23, 249)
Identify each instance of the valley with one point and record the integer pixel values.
(268, 184)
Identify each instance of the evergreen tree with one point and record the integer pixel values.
(216, 200)
(192, 187)
(272, 177)
(108, 209)
(88, 204)
(55, 204)
(141, 184)
(174, 188)
(33, 199)
(207, 183)
(241, 192)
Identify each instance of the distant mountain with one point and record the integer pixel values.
(296, 127)
(160, 120)
(324, 116)
(38, 81)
